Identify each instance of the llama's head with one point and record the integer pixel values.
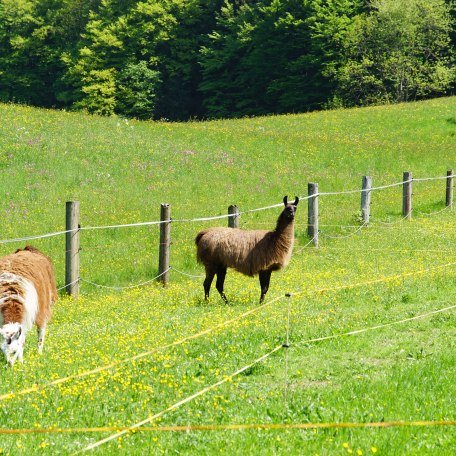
(290, 208)
(12, 341)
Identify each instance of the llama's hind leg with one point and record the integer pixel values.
(41, 335)
(221, 274)
(265, 277)
(210, 273)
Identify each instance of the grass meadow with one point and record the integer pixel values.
(375, 279)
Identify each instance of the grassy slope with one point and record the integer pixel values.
(120, 172)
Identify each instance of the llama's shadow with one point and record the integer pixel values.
(217, 301)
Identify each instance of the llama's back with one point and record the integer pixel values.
(230, 247)
(33, 265)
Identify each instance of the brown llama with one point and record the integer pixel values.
(27, 292)
(250, 252)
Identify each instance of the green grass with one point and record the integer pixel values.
(121, 171)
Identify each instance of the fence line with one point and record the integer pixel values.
(236, 373)
(214, 328)
(73, 227)
(125, 225)
(200, 219)
(232, 427)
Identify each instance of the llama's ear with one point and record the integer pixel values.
(296, 201)
(285, 200)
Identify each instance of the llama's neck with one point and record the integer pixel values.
(284, 226)
(283, 242)
(284, 232)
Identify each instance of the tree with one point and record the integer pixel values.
(33, 36)
(20, 34)
(151, 46)
(137, 87)
(330, 22)
(398, 51)
(253, 63)
(274, 55)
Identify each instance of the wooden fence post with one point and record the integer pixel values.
(407, 195)
(449, 189)
(233, 219)
(165, 243)
(72, 247)
(312, 217)
(366, 199)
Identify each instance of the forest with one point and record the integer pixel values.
(202, 59)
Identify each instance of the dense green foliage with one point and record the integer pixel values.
(397, 54)
(121, 171)
(179, 59)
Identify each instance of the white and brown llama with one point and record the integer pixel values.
(250, 252)
(27, 293)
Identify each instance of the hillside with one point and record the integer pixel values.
(394, 280)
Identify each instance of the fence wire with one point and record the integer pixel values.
(200, 219)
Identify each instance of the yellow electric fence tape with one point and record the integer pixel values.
(230, 427)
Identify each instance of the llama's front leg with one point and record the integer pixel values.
(265, 277)
(208, 282)
(20, 349)
(20, 353)
(41, 335)
(221, 274)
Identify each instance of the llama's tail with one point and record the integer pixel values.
(198, 248)
(199, 236)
